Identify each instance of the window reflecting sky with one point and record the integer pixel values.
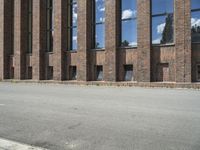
(129, 23)
(195, 4)
(162, 6)
(129, 9)
(100, 26)
(74, 25)
(74, 43)
(100, 11)
(74, 10)
(162, 21)
(195, 20)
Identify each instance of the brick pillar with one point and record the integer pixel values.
(2, 39)
(183, 40)
(111, 42)
(60, 36)
(39, 39)
(84, 38)
(144, 41)
(20, 44)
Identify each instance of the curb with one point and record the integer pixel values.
(116, 84)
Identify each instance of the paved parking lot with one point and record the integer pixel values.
(63, 117)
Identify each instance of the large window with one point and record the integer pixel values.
(195, 20)
(30, 2)
(72, 25)
(50, 25)
(128, 23)
(99, 24)
(162, 21)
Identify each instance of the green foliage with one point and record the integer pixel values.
(167, 35)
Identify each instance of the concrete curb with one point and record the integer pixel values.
(117, 84)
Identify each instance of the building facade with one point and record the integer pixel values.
(100, 40)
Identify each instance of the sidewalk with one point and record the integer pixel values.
(10, 145)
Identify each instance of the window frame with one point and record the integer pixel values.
(129, 19)
(70, 26)
(94, 26)
(160, 15)
(194, 10)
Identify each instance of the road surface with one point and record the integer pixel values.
(63, 117)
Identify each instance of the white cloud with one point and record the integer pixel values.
(128, 13)
(195, 22)
(102, 9)
(160, 28)
(102, 19)
(75, 16)
(133, 44)
(75, 38)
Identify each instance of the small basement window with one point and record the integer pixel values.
(128, 72)
(50, 73)
(12, 70)
(73, 73)
(198, 72)
(29, 72)
(99, 73)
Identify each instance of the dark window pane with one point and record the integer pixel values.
(162, 6)
(29, 75)
(100, 11)
(100, 36)
(50, 25)
(195, 4)
(162, 29)
(30, 23)
(29, 50)
(50, 73)
(195, 23)
(29, 43)
(129, 9)
(49, 41)
(73, 73)
(198, 72)
(129, 33)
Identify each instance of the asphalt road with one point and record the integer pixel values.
(61, 117)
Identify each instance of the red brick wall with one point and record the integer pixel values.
(145, 58)
(144, 40)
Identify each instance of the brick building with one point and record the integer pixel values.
(93, 40)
